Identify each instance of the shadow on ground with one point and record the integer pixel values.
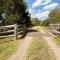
(31, 30)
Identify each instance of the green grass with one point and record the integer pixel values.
(8, 47)
(57, 40)
(39, 50)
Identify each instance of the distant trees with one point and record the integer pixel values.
(45, 22)
(15, 11)
(54, 16)
(35, 21)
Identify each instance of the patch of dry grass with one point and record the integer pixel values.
(7, 47)
(39, 50)
(57, 40)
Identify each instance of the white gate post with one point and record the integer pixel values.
(16, 31)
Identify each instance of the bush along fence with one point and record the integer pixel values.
(13, 30)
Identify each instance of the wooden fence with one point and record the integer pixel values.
(12, 30)
(55, 28)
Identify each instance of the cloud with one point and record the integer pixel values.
(43, 15)
(36, 3)
(40, 2)
(46, 9)
(39, 11)
(51, 6)
(31, 11)
(46, 2)
(32, 16)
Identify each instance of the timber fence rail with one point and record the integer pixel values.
(12, 30)
(55, 28)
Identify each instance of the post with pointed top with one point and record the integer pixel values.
(16, 31)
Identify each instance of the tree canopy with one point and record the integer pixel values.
(54, 16)
(14, 10)
(35, 21)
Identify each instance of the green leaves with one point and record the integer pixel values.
(54, 16)
(13, 9)
(36, 21)
(11, 19)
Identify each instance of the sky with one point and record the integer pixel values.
(41, 8)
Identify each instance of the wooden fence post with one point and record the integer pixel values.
(16, 32)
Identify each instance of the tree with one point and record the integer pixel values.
(45, 22)
(14, 11)
(35, 21)
(28, 20)
(54, 16)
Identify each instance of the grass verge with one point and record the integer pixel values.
(39, 50)
(7, 47)
(57, 40)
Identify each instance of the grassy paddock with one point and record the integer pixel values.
(7, 47)
(57, 40)
(39, 50)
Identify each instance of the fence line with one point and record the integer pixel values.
(12, 29)
(55, 28)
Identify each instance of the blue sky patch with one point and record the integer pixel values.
(41, 8)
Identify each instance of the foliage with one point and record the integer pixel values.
(54, 16)
(27, 19)
(35, 22)
(14, 11)
(45, 23)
